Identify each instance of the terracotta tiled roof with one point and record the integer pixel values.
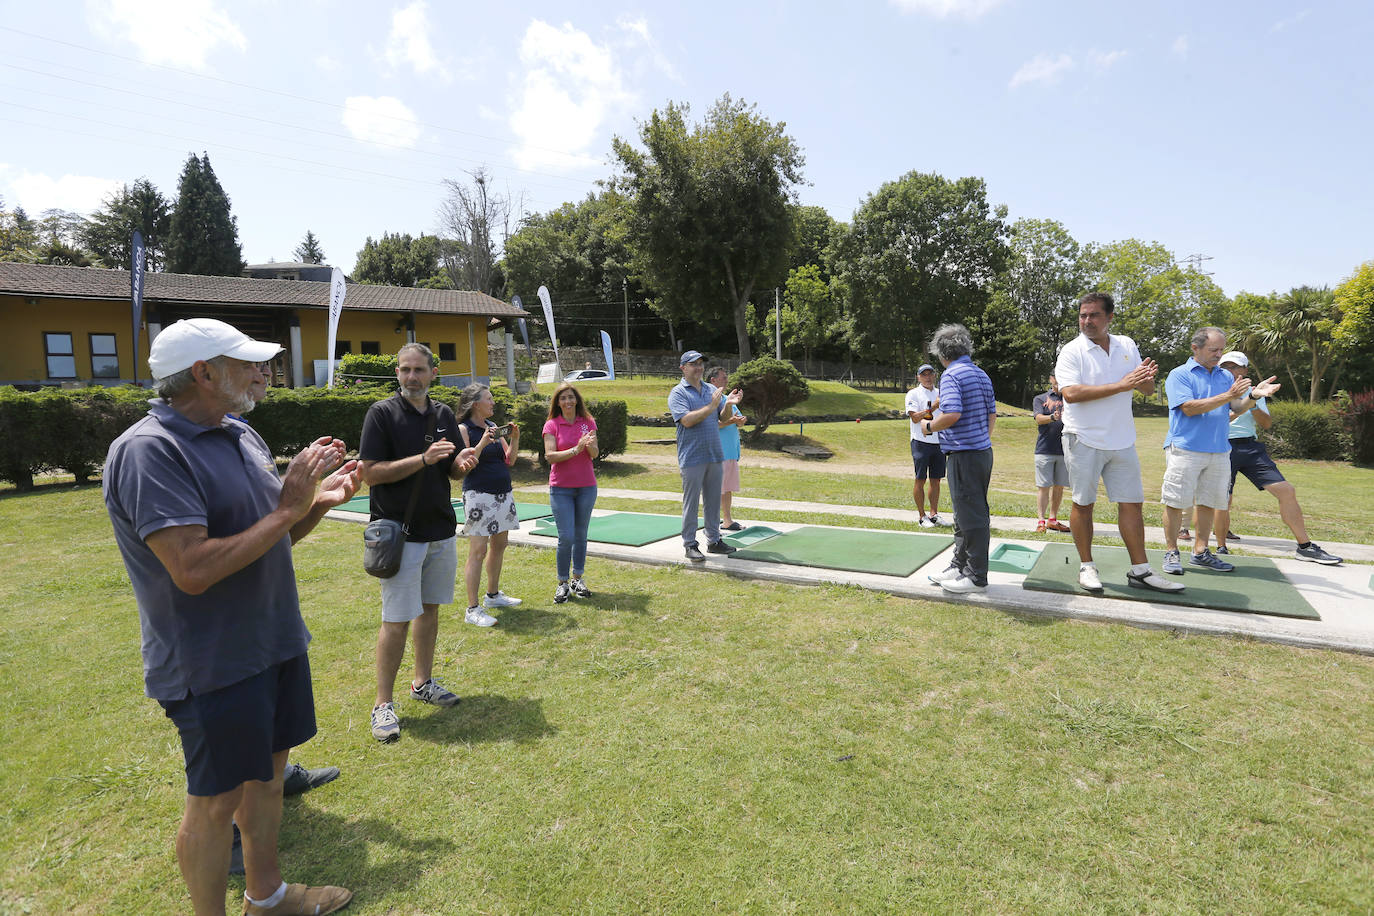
(97, 283)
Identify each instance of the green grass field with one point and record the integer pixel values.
(693, 743)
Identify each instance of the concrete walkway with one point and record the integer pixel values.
(1342, 595)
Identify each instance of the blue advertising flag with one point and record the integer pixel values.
(524, 331)
(606, 351)
(136, 264)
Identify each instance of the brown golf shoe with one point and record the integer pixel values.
(303, 901)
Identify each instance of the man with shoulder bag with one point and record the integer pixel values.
(409, 452)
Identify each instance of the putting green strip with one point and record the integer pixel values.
(888, 553)
(1257, 586)
(629, 529)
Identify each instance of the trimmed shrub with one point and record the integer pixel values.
(770, 386)
(1303, 430)
(1357, 412)
(366, 368)
(53, 429)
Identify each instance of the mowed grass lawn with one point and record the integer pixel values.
(687, 743)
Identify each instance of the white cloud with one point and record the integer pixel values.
(382, 120)
(1180, 46)
(638, 30)
(1042, 69)
(1284, 24)
(408, 44)
(572, 87)
(36, 192)
(946, 9)
(327, 64)
(1103, 60)
(178, 33)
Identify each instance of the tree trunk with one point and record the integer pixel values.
(741, 325)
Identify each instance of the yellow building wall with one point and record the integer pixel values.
(22, 325)
(433, 330)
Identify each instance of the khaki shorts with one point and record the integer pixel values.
(1118, 469)
(1190, 477)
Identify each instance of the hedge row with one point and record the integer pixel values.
(612, 426)
(71, 430)
(1302, 430)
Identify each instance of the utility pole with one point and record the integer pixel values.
(777, 321)
(625, 290)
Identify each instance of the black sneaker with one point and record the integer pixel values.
(236, 853)
(694, 554)
(720, 547)
(1232, 536)
(299, 779)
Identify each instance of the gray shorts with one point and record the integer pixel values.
(1118, 469)
(426, 576)
(1051, 471)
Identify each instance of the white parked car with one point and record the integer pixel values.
(588, 375)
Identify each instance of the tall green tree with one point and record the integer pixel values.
(203, 237)
(309, 250)
(109, 232)
(1044, 280)
(920, 250)
(813, 232)
(710, 220)
(18, 235)
(1158, 303)
(399, 260)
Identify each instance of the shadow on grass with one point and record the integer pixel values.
(320, 847)
(633, 602)
(484, 717)
(533, 620)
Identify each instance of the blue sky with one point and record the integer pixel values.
(1237, 130)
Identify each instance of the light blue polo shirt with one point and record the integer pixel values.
(698, 444)
(1205, 432)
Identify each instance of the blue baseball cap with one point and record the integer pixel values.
(690, 356)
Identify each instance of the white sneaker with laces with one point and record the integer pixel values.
(926, 522)
(478, 617)
(938, 521)
(1088, 577)
(962, 586)
(579, 588)
(948, 574)
(500, 599)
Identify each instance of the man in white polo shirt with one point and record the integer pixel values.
(1097, 372)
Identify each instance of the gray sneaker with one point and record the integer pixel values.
(562, 593)
(694, 553)
(433, 693)
(1314, 554)
(1207, 560)
(386, 728)
(579, 588)
(1173, 565)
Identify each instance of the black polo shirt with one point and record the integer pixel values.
(394, 429)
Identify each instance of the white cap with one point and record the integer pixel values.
(1235, 356)
(191, 340)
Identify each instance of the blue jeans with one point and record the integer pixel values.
(572, 512)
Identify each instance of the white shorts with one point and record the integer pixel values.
(426, 576)
(1118, 469)
(729, 476)
(1051, 471)
(1191, 477)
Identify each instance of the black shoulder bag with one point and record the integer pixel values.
(384, 539)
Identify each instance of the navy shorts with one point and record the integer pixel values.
(228, 736)
(928, 460)
(1251, 458)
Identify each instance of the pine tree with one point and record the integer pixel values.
(309, 250)
(204, 236)
(108, 234)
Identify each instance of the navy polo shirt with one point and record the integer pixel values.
(166, 471)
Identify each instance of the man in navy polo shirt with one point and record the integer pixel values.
(1196, 450)
(968, 412)
(205, 525)
(697, 407)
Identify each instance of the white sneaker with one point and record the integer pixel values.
(948, 574)
(1088, 577)
(500, 599)
(478, 617)
(938, 521)
(927, 522)
(1151, 580)
(962, 586)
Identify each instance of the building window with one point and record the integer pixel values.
(342, 348)
(104, 356)
(57, 347)
(372, 347)
(448, 353)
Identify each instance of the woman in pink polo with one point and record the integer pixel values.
(570, 446)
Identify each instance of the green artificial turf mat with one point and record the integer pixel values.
(356, 504)
(890, 553)
(746, 537)
(629, 529)
(1012, 558)
(1256, 586)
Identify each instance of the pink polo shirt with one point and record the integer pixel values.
(576, 471)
